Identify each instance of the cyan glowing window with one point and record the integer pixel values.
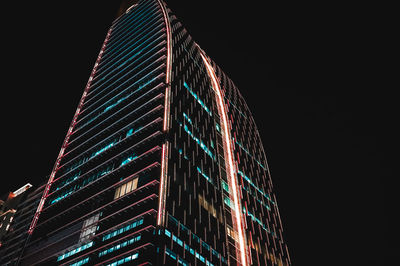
(173, 255)
(187, 118)
(225, 186)
(62, 196)
(124, 260)
(177, 240)
(248, 153)
(167, 233)
(119, 246)
(228, 201)
(199, 142)
(122, 230)
(254, 218)
(255, 196)
(103, 149)
(204, 175)
(197, 98)
(130, 132)
(129, 159)
(201, 258)
(195, 238)
(81, 262)
(253, 185)
(205, 245)
(170, 253)
(74, 251)
(83, 183)
(218, 127)
(240, 112)
(115, 103)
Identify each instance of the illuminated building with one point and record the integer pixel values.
(16, 214)
(162, 163)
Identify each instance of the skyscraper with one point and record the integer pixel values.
(162, 162)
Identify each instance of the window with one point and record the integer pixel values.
(81, 262)
(89, 228)
(125, 188)
(74, 251)
(231, 232)
(123, 229)
(117, 247)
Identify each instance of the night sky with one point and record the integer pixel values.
(305, 72)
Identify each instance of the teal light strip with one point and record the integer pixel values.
(189, 249)
(199, 142)
(255, 196)
(253, 185)
(121, 245)
(204, 175)
(103, 149)
(124, 260)
(234, 106)
(122, 230)
(197, 98)
(75, 251)
(259, 222)
(195, 238)
(187, 118)
(173, 255)
(81, 262)
(128, 159)
(248, 153)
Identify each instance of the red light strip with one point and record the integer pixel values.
(164, 156)
(65, 143)
(229, 158)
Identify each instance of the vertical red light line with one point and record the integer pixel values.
(229, 152)
(164, 156)
(69, 133)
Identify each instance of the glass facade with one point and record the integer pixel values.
(162, 163)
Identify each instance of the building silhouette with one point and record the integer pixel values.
(162, 163)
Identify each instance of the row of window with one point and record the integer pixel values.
(81, 262)
(74, 251)
(199, 142)
(248, 153)
(185, 230)
(210, 208)
(124, 41)
(122, 245)
(124, 260)
(255, 197)
(254, 218)
(187, 248)
(150, 39)
(126, 188)
(173, 255)
(253, 185)
(89, 227)
(110, 144)
(197, 98)
(122, 230)
(91, 178)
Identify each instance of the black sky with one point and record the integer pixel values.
(305, 71)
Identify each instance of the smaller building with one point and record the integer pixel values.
(16, 213)
(8, 209)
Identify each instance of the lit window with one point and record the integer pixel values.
(125, 188)
(89, 228)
